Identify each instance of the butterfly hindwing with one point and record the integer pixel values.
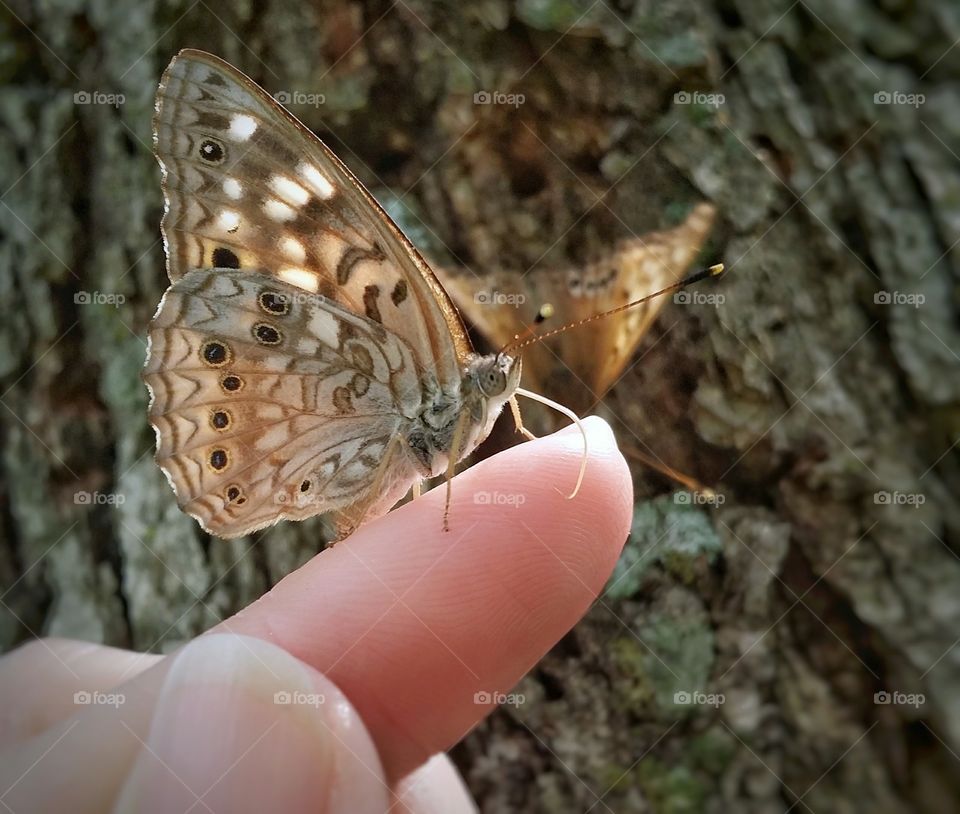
(271, 403)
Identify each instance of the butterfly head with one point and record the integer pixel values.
(489, 382)
(496, 376)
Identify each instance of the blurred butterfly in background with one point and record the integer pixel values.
(592, 358)
(305, 358)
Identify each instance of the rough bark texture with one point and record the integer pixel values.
(816, 388)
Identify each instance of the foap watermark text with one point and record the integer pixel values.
(899, 699)
(705, 498)
(514, 499)
(96, 97)
(98, 498)
(95, 698)
(696, 97)
(98, 298)
(914, 499)
(294, 698)
(898, 298)
(896, 97)
(499, 298)
(698, 298)
(299, 97)
(496, 97)
(697, 698)
(512, 699)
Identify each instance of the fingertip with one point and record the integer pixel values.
(528, 485)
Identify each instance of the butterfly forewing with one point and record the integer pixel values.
(248, 186)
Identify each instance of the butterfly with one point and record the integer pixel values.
(305, 358)
(503, 304)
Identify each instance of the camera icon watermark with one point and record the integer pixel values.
(495, 97)
(899, 699)
(95, 698)
(898, 298)
(696, 97)
(896, 97)
(293, 698)
(514, 499)
(298, 97)
(96, 97)
(914, 499)
(513, 699)
(686, 698)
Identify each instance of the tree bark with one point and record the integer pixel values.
(819, 398)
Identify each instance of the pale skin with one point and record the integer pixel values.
(390, 647)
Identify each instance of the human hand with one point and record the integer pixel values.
(333, 690)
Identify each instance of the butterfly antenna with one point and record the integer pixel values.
(529, 336)
(545, 312)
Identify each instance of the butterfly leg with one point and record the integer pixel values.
(687, 481)
(458, 435)
(417, 489)
(518, 420)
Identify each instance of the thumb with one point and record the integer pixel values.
(241, 725)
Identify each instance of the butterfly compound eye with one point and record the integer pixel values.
(492, 381)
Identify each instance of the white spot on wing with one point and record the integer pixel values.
(316, 180)
(328, 250)
(278, 210)
(323, 325)
(375, 449)
(289, 190)
(273, 438)
(327, 470)
(293, 249)
(301, 278)
(308, 346)
(232, 188)
(228, 220)
(242, 127)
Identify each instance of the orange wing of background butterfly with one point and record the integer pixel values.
(504, 304)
